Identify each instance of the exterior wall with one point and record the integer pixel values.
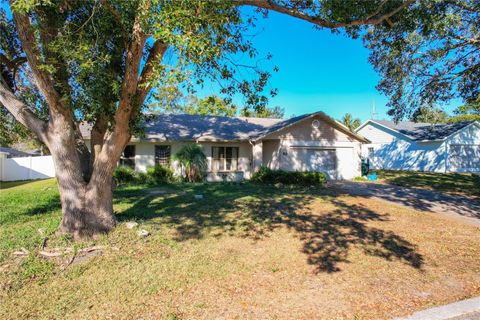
(409, 155)
(145, 157)
(394, 151)
(271, 154)
(26, 168)
(292, 148)
(377, 134)
(468, 140)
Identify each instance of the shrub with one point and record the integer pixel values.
(142, 178)
(269, 176)
(124, 174)
(360, 178)
(160, 174)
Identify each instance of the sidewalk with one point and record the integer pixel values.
(462, 310)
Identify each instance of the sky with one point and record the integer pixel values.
(318, 70)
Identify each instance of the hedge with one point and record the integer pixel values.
(155, 175)
(307, 178)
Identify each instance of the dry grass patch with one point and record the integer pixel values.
(249, 252)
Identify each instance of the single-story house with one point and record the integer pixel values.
(413, 146)
(236, 147)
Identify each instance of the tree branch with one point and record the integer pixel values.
(154, 57)
(370, 20)
(12, 64)
(49, 31)
(21, 112)
(130, 82)
(43, 80)
(114, 141)
(97, 135)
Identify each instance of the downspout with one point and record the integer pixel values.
(446, 156)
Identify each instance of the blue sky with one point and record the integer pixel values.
(318, 70)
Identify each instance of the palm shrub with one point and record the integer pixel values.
(192, 161)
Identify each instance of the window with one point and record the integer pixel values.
(128, 157)
(162, 155)
(371, 152)
(224, 158)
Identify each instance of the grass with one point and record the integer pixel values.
(29, 212)
(244, 251)
(455, 183)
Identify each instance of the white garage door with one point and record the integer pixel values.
(303, 159)
(464, 157)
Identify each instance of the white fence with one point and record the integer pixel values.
(26, 168)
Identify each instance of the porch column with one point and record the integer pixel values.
(257, 150)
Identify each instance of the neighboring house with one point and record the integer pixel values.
(14, 153)
(236, 147)
(422, 146)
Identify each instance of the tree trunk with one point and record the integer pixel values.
(86, 206)
(87, 209)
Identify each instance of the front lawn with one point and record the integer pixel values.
(466, 184)
(244, 251)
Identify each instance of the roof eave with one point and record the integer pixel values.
(431, 140)
(391, 129)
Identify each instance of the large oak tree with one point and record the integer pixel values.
(97, 62)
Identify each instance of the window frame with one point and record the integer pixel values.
(223, 159)
(371, 152)
(157, 158)
(128, 161)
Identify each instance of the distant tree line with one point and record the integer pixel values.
(467, 112)
(172, 100)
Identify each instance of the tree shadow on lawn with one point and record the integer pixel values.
(52, 204)
(254, 211)
(462, 183)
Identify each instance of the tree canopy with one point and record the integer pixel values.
(172, 100)
(429, 115)
(350, 122)
(427, 55)
(468, 112)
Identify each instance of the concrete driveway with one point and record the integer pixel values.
(457, 207)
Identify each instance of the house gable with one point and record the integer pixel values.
(467, 135)
(317, 127)
(378, 133)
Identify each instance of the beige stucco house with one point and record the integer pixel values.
(236, 147)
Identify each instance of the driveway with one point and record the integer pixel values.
(457, 207)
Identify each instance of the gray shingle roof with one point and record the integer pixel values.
(186, 127)
(424, 131)
(15, 153)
